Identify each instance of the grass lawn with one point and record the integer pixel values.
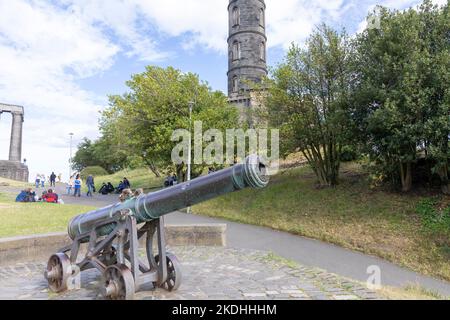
(34, 218)
(139, 178)
(351, 215)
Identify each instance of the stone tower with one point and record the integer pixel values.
(246, 48)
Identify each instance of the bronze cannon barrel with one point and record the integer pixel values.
(251, 173)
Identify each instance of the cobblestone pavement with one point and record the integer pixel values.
(208, 273)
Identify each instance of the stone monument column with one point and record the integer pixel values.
(15, 147)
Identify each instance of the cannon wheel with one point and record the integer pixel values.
(58, 272)
(173, 272)
(118, 283)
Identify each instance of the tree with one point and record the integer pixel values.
(308, 100)
(84, 156)
(142, 121)
(101, 152)
(402, 101)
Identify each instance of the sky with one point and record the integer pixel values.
(60, 59)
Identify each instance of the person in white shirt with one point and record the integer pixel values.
(70, 184)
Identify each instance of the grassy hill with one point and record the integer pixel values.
(351, 215)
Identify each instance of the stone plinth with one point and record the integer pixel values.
(13, 170)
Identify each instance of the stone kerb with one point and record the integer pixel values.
(30, 248)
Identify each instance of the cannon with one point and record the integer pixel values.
(112, 234)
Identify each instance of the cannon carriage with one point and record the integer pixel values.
(112, 234)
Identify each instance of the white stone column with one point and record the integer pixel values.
(15, 147)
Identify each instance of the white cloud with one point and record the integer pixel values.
(201, 23)
(124, 19)
(43, 50)
(206, 22)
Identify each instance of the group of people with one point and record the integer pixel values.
(41, 179)
(75, 184)
(108, 188)
(28, 195)
(171, 180)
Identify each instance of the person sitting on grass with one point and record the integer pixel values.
(110, 188)
(167, 181)
(104, 189)
(120, 187)
(26, 195)
(126, 183)
(50, 197)
(174, 180)
(42, 195)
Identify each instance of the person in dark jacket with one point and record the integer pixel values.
(90, 184)
(167, 182)
(126, 183)
(120, 187)
(103, 189)
(174, 179)
(53, 180)
(110, 187)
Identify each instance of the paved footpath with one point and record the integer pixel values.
(208, 273)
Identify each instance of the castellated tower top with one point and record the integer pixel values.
(247, 44)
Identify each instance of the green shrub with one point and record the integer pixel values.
(95, 171)
(348, 154)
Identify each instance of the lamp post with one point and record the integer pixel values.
(70, 159)
(191, 105)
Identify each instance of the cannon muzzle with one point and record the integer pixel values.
(251, 173)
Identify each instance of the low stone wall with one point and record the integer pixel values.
(30, 248)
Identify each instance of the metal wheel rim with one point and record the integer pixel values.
(173, 281)
(60, 264)
(122, 278)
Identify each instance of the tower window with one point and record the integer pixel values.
(262, 51)
(236, 52)
(235, 84)
(236, 16)
(262, 20)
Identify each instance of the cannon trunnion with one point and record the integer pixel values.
(112, 235)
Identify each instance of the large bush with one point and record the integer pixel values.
(402, 101)
(95, 171)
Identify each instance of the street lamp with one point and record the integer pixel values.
(191, 105)
(70, 159)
